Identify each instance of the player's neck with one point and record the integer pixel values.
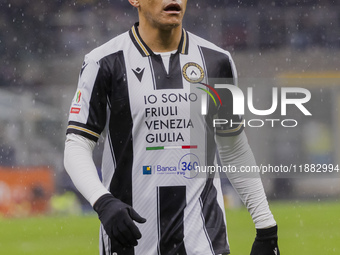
(160, 40)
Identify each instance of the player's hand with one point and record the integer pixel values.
(117, 219)
(265, 242)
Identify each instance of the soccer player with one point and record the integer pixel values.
(152, 93)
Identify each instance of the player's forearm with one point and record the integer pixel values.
(80, 167)
(236, 151)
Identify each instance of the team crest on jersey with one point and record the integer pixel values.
(193, 72)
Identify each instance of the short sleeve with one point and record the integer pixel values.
(87, 116)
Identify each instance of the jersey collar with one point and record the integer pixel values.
(183, 46)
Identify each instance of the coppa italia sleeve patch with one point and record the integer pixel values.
(76, 102)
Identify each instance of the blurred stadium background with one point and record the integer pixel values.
(274, 43)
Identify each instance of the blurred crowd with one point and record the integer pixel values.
(35, 32)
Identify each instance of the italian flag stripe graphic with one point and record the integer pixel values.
(184, 147)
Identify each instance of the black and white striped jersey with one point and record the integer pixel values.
(158, 127)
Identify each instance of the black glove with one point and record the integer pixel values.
(265, 242)
(117, 219)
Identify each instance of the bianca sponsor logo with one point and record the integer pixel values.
(166, 169)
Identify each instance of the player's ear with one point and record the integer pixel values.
(134, 3)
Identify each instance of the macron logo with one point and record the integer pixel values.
(139, 73)
(275, 251)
